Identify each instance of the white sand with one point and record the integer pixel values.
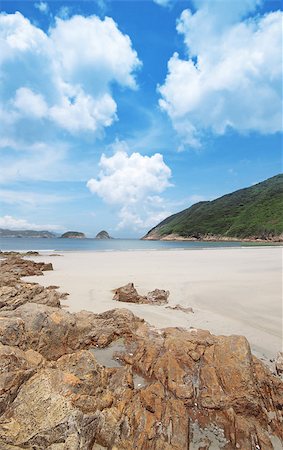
(232, 291)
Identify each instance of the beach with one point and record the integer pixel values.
(231, 290)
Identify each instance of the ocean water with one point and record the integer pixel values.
(57, 244)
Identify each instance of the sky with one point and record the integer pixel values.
(116, 114)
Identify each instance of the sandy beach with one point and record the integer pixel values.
(232, 291)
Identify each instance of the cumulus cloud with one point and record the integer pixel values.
(133, 183)
(11, 223)
(231, 77)
(64, 76)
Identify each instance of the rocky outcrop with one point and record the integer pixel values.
(14, 292)
(174, 389)
(103, 235)
(73, 235)
(129, 294)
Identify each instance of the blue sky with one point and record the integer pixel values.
(116, 114)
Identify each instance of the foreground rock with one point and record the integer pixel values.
(173, 389)
(129, 294)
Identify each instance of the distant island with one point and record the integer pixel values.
(103, 235)
(4, 233)
(73, 235)
(253, 213)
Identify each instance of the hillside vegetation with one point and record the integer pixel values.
(255, 212)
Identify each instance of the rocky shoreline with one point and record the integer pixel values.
(154, 236)
(171, 388)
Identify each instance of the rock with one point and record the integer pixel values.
(178, 307)
(14, 292)
(15, 265)
(103, 235)
(73, 235)
(279, 363)
(128, 293)
(54, 332)
(195, 390)
(29, 253)
(157, 297)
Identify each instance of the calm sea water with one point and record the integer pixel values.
(57, 244)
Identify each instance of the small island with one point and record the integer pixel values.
(103, 235)
(73, 235)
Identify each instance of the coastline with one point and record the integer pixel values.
(212, 238)
(231, 292)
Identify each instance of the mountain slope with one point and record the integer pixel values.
(255, 212)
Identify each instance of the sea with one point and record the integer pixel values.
(65, 245)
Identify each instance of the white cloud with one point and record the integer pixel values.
(65, 76)
(163, 2)
(232, 75)
(11, 223)
(30, 104)
(42, 7)
(133, 182)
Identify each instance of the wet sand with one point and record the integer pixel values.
(232, 291)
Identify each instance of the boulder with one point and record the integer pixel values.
(129, 294)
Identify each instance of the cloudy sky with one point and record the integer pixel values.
(115, 114)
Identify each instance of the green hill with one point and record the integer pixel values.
(73, 235)
(255, 212)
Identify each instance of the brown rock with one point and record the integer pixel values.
(129, 294)
(279, 363)
(14, 292)
(194, 390)
(157, 297)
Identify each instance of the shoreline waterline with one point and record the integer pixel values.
(112, 245)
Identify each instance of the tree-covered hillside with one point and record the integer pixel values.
(254, 212)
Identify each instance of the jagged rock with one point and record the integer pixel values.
(54, 332)
(17, 266)
(186, 309)
(157, 297)
(279, 363)
(128, 293)
(198, 390)
(14, 292)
